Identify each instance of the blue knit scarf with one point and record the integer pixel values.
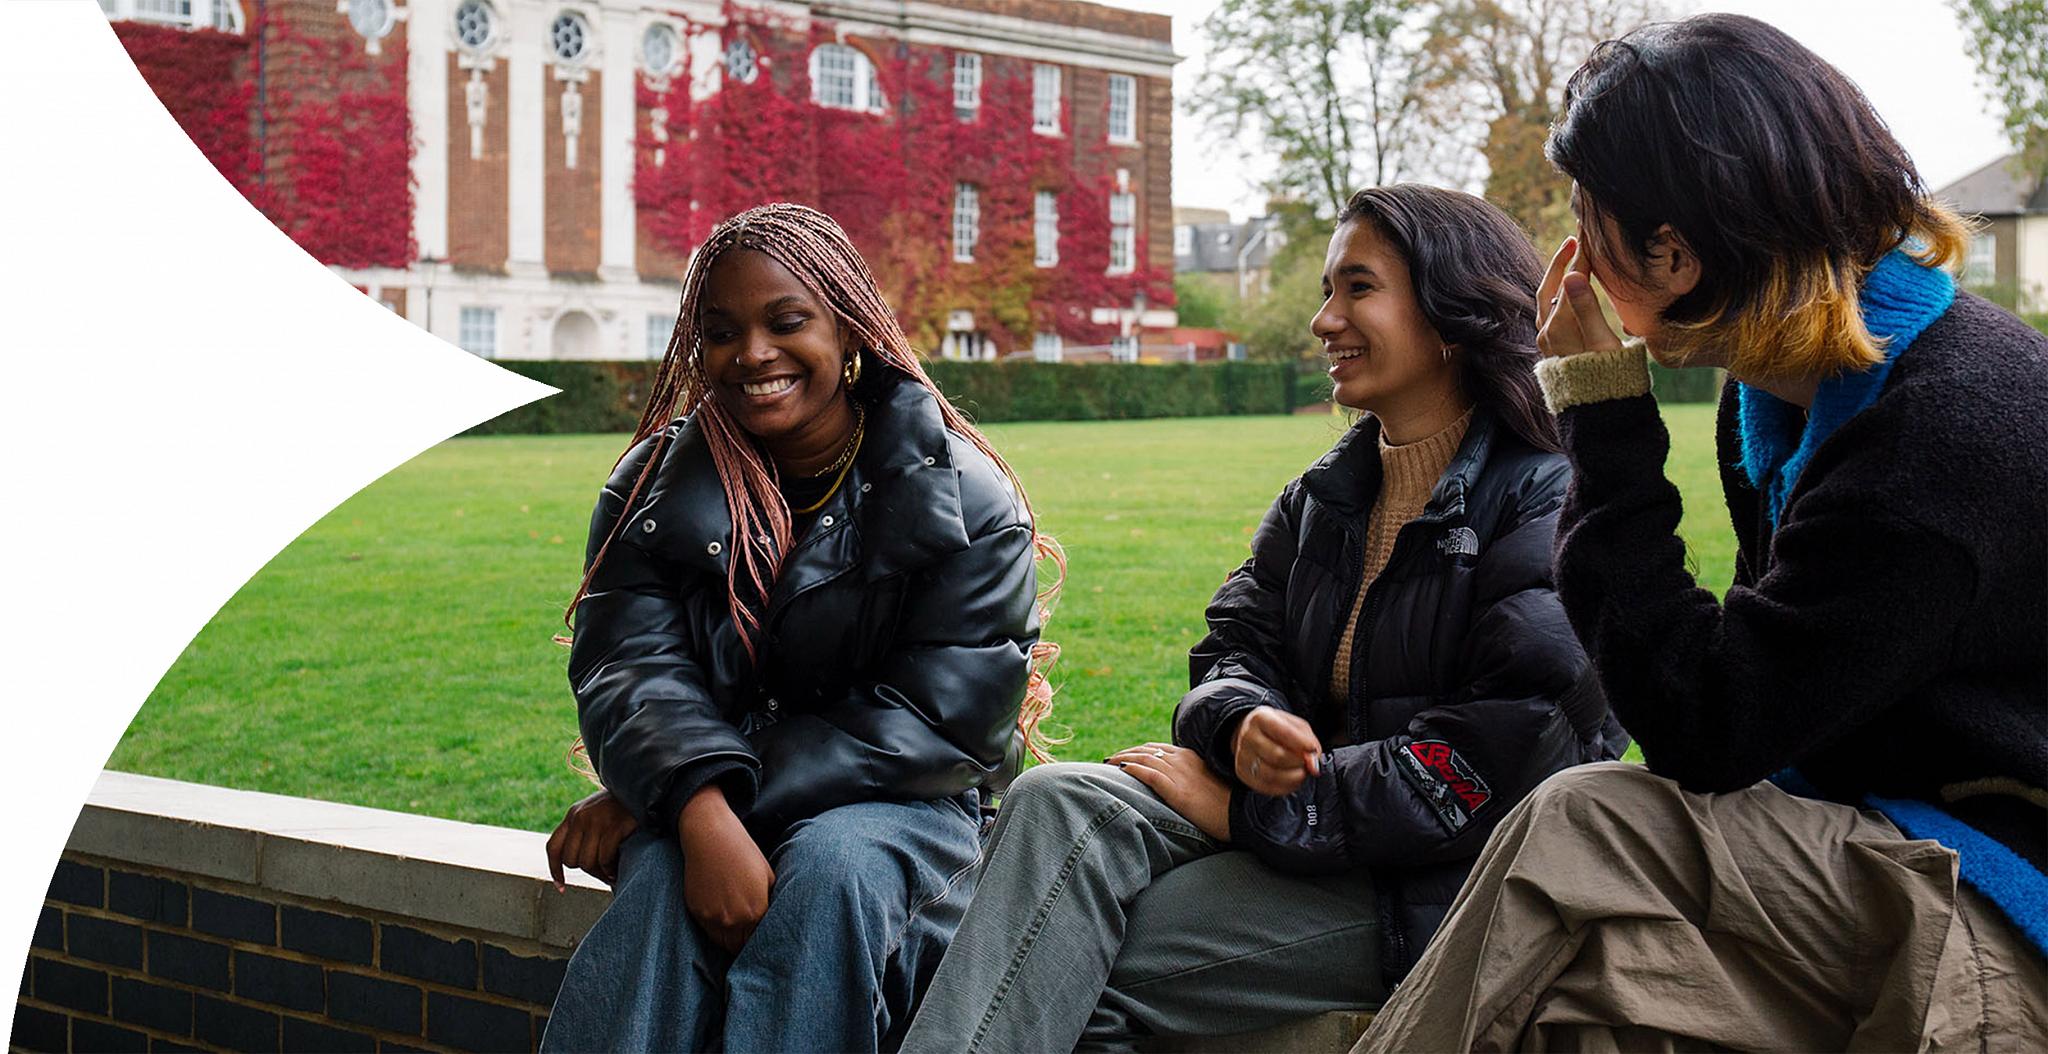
(1899, 300)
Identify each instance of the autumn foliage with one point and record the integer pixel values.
(889, 178)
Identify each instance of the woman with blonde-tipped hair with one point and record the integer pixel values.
(805, 641)
(1840, 837)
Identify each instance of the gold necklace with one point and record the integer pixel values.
(844, 464)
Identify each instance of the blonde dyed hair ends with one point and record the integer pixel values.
(1804, 319)
(817, 250)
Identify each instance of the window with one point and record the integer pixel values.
(174, 11)
(1123, 109)
(1124, 349)
(1223, 239)
(844, 79)
(966, 85)
(475, 25)
(1980, 263)
(1046, 347)
(659, 50)
(222, 15)
(569, 38)
(1045, 228)
(1183, 240)
(1045, 99)
(659, 328)
(478, 334)
(1123, 213)
(966, 221)
(742, 63)
(371, 18)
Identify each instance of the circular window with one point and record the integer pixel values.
(569, 38)
(658, 50)
(371, 18)
(741, 63)
(474, 24)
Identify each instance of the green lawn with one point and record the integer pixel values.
(398, 654)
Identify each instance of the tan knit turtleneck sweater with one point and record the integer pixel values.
(1408, 473)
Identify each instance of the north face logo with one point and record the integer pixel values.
(1459, 541)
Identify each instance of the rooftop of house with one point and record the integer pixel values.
(1997, 189)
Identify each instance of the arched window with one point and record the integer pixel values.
(844, 79)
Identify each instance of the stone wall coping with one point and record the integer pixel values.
(478, 876)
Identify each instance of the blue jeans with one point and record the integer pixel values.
(866, 897)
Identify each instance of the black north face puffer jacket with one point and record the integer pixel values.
(1468, 687)
(894, 646)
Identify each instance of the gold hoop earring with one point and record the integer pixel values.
(851, 374)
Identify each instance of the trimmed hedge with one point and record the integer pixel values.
(595, 397)
(1102, 391)
(1697, 385)
(607, 396)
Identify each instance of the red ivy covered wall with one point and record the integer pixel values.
(296, 115)
(889, 179)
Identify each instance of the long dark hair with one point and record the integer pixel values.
(1475, 276)
(1773, 168)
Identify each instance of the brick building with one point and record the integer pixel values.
(566, 154)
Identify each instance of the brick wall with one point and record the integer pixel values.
(479, 190)
(135, 955)
(573, 195)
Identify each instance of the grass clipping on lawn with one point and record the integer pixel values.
(397, 655)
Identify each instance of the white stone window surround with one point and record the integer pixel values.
(1045, 99)
(571, 40)
(478, 332)
(371, 19)
(1123, 217)
(741, 59)
(1123, 109)
(479, 28)
(222, 15)
(844, 78)
(1124, 349)
(661, 50)
(966, 221)
(1047, 347)
(1045, 228)
(966, 85)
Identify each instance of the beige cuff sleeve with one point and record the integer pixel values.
(1593, 377)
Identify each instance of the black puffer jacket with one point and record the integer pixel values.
(1468, 687)
(894, 647)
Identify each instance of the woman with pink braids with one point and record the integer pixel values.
(804, 643)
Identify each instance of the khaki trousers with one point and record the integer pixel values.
(1614, 911)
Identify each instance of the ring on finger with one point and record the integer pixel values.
(1159, 753)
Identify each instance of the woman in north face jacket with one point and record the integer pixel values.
(1384, 678)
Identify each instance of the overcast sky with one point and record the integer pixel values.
(1908, 56)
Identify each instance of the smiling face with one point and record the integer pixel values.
(1384, 355)
(773, 355)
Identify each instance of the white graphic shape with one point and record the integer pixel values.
(185, 391)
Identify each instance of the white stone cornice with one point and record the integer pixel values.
(927, 23)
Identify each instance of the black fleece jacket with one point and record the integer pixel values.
(1890, 637)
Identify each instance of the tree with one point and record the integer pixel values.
(2010, 38)
(1198, 301)
(1274, 323)
(1332, 90)
(1505, 62)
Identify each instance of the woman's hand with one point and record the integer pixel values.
(726, 880)
(1183, 781)
(1568, 317)
(1274, 751)
(588, 838)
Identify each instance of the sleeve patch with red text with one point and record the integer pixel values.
(1445, 780)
